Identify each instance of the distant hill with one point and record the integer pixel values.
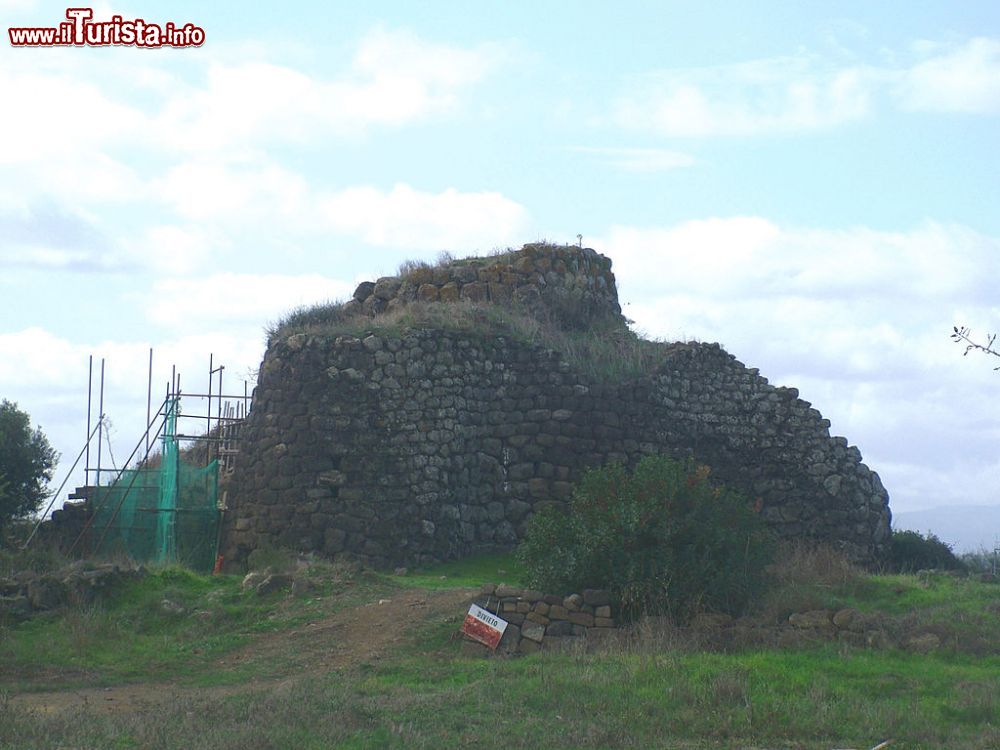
(966, 527)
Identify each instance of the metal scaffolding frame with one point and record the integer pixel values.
(222, 418)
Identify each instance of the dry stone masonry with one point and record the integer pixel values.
(402, 447)
(546, 622)
(574, 285)
(537, 621)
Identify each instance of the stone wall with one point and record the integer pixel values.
(544, 622)
(538, 621)
(573, 285)
(417, 446)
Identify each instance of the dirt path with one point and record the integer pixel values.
(342, 640)
(352, 636)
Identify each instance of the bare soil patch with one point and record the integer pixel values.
(342, 640)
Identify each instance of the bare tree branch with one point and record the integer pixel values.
(963, 335)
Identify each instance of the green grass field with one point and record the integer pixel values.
(234, 670)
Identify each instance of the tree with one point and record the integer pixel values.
(964, 335)
(26, 464)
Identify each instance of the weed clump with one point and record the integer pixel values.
(271, 558)
(663, 539)
(805, 576)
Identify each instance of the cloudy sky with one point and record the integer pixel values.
(817, 190)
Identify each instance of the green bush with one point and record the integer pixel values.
(663, 539)
(982, 561)
(912, 551)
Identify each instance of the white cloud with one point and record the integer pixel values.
(33, 357)
(69, 119)
(758, 258)
(762, 96)
(693, 250)
(405, 217)
(201, 190)
(639, 159)
(82, 119)
(54, 259)
(100, 130)
(47, 236)
(395, 78)
(804, 92)
(81, 104)
(91, 177)
(264, 195)
(171, 249)
(964, 79)
(386, 55)
(238, 300)
(60, 115)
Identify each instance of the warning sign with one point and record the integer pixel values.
(484, 626)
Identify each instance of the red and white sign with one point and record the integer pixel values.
(483, 626)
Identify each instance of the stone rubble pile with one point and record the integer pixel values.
(27, 592)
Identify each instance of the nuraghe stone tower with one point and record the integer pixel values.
(413, 424)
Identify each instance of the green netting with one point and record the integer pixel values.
(166, 548)
(165, 514)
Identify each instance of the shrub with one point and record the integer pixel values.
(42, 556)
(982, 561)
(912, 551)
(663, 539)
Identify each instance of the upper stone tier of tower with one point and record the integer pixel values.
(573, 286)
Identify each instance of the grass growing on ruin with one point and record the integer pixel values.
(603, 354)
(423, 693)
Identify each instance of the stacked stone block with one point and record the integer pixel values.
(547, 621)
(573, 285)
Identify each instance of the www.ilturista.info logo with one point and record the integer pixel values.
(82, 31)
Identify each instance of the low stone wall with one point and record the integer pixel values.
(846, 626)
(530, 631)
(545, 621)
